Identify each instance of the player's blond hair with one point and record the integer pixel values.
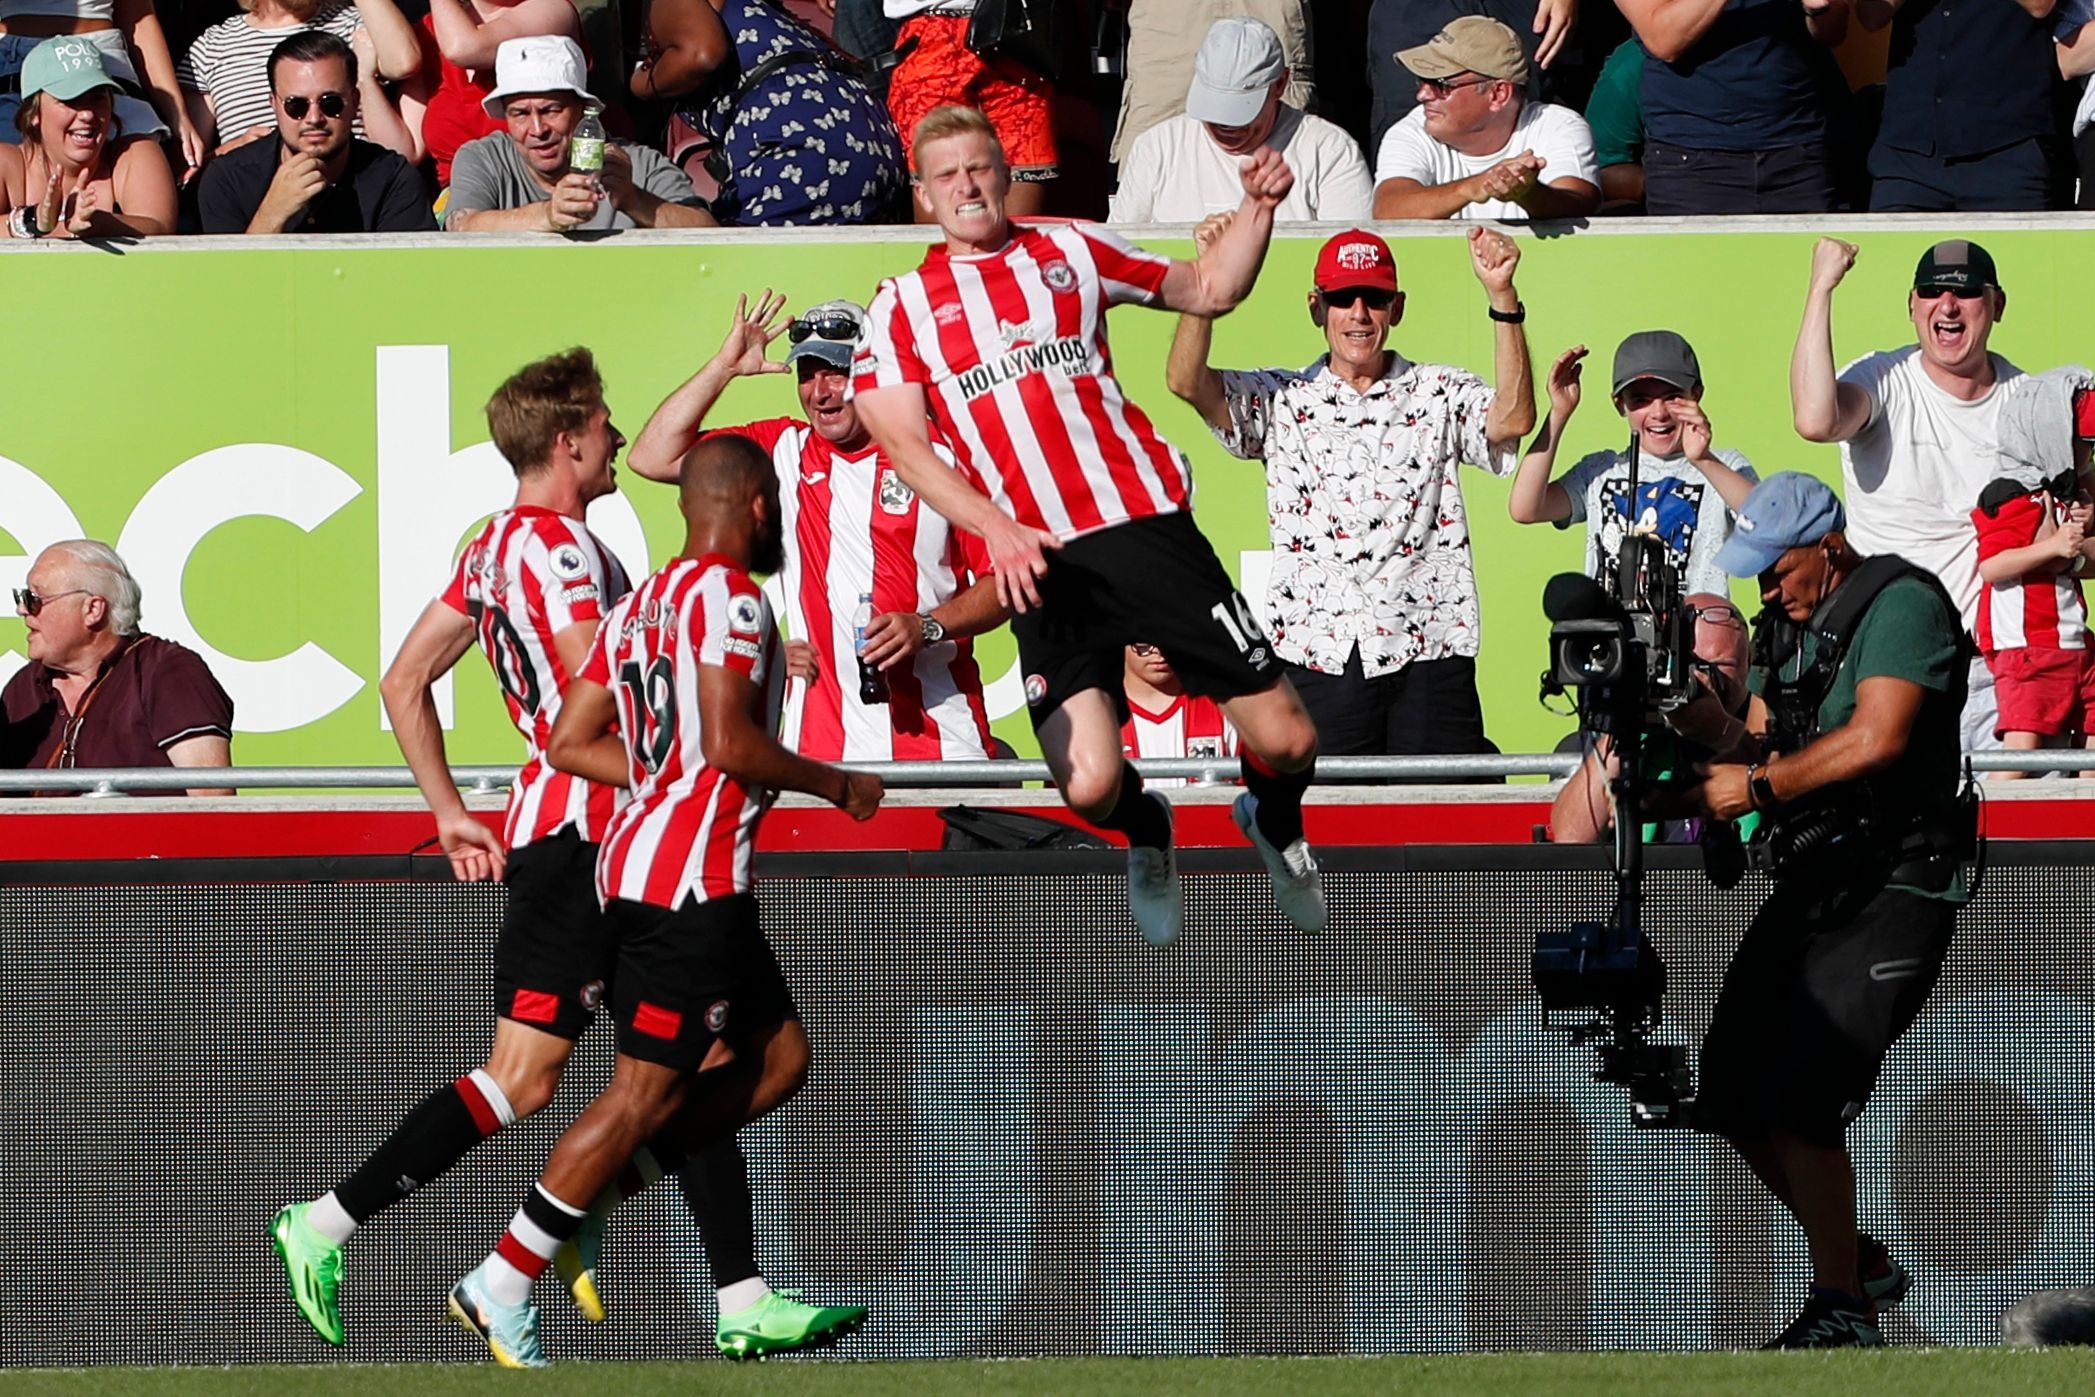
(943, 123)
(539, 402)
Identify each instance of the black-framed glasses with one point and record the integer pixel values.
(332, 105)
(830, 326)
(30, 603)
(1375, 296)
(1144, 649)
(1440, 90)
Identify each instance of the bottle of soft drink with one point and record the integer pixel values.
(585, 149)
(872, 684)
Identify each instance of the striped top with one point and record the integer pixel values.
(1010, 348)
(853, 529)
(689, 829)
(229, 63)
(528, 575)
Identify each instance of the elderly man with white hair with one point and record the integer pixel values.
(99, 692)
(1185, 167)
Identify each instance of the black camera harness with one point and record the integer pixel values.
(1816, 836)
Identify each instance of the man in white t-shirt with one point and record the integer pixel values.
(1475, 147)
(1917, 427)
(1185, 167)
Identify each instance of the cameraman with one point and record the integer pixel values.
(1856, 777)
(1713, 724)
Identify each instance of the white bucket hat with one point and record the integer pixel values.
(537, 64)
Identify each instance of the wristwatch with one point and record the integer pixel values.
(934, 630)
(22, 223)
(1759, 789)
(1508, 317)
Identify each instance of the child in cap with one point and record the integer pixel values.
(2032, 525)
(1687, 489)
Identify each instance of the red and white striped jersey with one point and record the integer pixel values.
(1189, 727)
(1010, 347)
(686, 827)
(2039, 610)
(852, 528)
(526, 577)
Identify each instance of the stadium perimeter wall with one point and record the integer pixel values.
(285, 438)
(1027, 1132)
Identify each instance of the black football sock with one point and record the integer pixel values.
(434, 1136)
(1135, 815)
(1279, 813)
(715, 1185)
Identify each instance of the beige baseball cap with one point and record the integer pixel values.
(1471, 44)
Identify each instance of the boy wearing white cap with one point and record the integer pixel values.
(1185, 168)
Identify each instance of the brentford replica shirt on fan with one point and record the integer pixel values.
(526, 577)
(853, 529)
(685, 827)
(2039, 610)
(1187, 727)
(1010, 347)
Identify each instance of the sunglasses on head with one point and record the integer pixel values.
(1375, 296)
(838, 327)
(332, 105)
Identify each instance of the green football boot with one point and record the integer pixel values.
(314, 1267)
(778, 1323)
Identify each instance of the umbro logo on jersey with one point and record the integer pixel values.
(952, 312)
(813, 477)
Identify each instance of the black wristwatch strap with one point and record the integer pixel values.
(1760, 788)
(1514, 316)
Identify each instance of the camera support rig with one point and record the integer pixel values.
(1624, 649)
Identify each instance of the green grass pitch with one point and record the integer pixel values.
(1897, 1372)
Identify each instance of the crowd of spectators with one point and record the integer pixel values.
(145, 117)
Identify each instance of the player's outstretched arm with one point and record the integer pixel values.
(736, 744)
(896, 416)
(658, 452)
(1216, 281)
(585, 741)
(438, 638)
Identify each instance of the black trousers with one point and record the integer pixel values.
(1683, 183)
(1427, 708)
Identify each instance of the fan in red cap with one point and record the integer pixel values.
(1355, 259)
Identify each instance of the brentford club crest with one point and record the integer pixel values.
(1059, 278)
(1036, 690)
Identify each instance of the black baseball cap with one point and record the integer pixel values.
(1957, 265)
(1659, 354)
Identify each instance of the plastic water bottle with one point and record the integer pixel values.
(872, 684)
(585, 149)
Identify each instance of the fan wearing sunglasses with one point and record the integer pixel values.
(98, 691)
(1372, 598)
(904, 686)
(1476, 146)
(317, 176)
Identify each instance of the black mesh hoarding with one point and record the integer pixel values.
(1027, 1132)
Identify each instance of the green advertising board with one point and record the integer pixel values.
(287, 444)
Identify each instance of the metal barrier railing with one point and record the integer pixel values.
(917, 775)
